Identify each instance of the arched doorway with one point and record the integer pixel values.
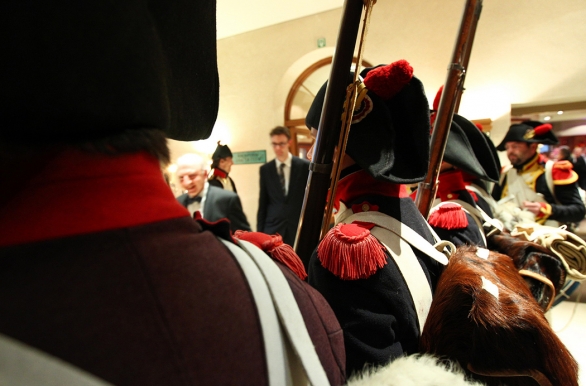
(299, 100)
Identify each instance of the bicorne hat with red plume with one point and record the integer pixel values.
(389, 137)
(530, 132)
(222, 151)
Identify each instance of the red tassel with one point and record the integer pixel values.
(286, 255)
(387, 81)
(542, 129)
(448, 216)
(273, 246)
(350, 252)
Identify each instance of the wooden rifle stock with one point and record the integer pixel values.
(318, 183)
(449, 103)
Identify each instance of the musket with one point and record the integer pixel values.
(449, 103)
(320, 169)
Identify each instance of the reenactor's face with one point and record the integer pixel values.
(226, 164)
(519, 152)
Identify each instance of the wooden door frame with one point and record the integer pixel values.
(294, 124)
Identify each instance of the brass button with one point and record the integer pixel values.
(365, 207)
(450, 195)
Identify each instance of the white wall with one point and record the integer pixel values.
(525, 51)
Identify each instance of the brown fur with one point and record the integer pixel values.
(535, 258)
(470, 325)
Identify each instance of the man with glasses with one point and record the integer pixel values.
(282, 188)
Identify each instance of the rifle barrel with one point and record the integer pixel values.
(453, 86)
(318, 183)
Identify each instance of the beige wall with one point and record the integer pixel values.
(525, 51)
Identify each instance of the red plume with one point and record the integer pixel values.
(542, 129)
(437, 98)
(387, 81)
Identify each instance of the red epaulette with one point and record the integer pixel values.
(273, 246)
(351, 252)
(448, 215)
(563, 174)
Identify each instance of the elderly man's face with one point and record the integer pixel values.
(191, 178)
(519, 152)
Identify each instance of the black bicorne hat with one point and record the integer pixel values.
(222, 151)
(84, 69)
(482, 148)
(389, 137)
(459, 152)
(530, 132)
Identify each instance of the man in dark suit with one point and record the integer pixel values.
(212, 202)
(282, 188)
(579, 163)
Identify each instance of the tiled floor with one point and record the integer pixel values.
(568, 320)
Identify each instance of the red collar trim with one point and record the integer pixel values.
(77, 193)
(449, 183)
(361, 183)
(220, 173)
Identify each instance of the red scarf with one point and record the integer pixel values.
(76, 193)
(361, 183)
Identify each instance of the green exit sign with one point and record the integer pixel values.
(321, 42)
(249, 157)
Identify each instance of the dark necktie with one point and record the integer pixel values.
(191, 200)
(282, 178)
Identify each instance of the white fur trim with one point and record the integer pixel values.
(414, 370)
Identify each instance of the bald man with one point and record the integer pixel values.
(212, 202)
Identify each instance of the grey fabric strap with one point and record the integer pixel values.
(275, 350)
(289, 315)
(302, 364)
(23, 365)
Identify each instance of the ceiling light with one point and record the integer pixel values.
(560, 112)
(547, 118)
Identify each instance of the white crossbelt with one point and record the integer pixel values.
(386, 231)
(291, 356)
(23, 365)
